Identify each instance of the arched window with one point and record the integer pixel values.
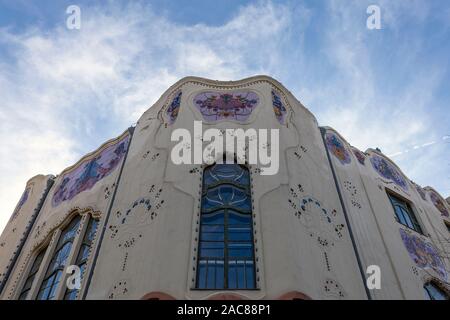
(57, 264)
(433, 292)
(226, 251)
(32, 274)
(72, 248)
(83, 254)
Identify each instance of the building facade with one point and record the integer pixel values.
(135, 225)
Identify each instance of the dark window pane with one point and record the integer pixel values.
(211, 274)
(201, 275)
(249, 274)
(240, 250)
(211, 252)
(239, 234)
(239, 219)
(219, 274)
(212, 228)
(226, 223)
(212, 236)
(213, 218)
(232, 275)
(240, 267)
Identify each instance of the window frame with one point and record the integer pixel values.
(397, 201)
(51, 245)
(82, 241)
(32, 275)
(61, 243)
(226, 211)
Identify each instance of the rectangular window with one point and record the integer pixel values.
(226, 251)
(404, 213)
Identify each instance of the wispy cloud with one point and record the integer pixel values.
(67, 91)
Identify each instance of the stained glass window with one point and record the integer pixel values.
(404, 213)
(55, 270)
(83, 255)
(226, 251)
(32, 274)
(433, 292)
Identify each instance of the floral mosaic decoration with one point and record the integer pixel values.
(22, 201)
(216, 106)
(388, 171)
(278, 108)
(89, 172)
(439, 204)
(360, 156)
(337, 148)
(174, 108)
(423, 254)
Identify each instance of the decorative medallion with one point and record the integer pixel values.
(388, 171)
(337, 148)
(439, 204)
(322, 223)
(278, 108)
(174, 108)
(360, 156)
(89, 172)
(216, 106)
(423, 254)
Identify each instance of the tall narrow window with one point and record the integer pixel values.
(57, 264)
(404, 213)
(83, 254)
(433, 292)
(32, 274)
(226, 251)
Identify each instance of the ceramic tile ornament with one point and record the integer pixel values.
(388, 171)
(89, 172)
(174, 108)
(216, 106)
(278, 108)
(336, 146)
(423, 254)
(439, 204)
(360, 156)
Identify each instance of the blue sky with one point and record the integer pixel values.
(64, 92)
